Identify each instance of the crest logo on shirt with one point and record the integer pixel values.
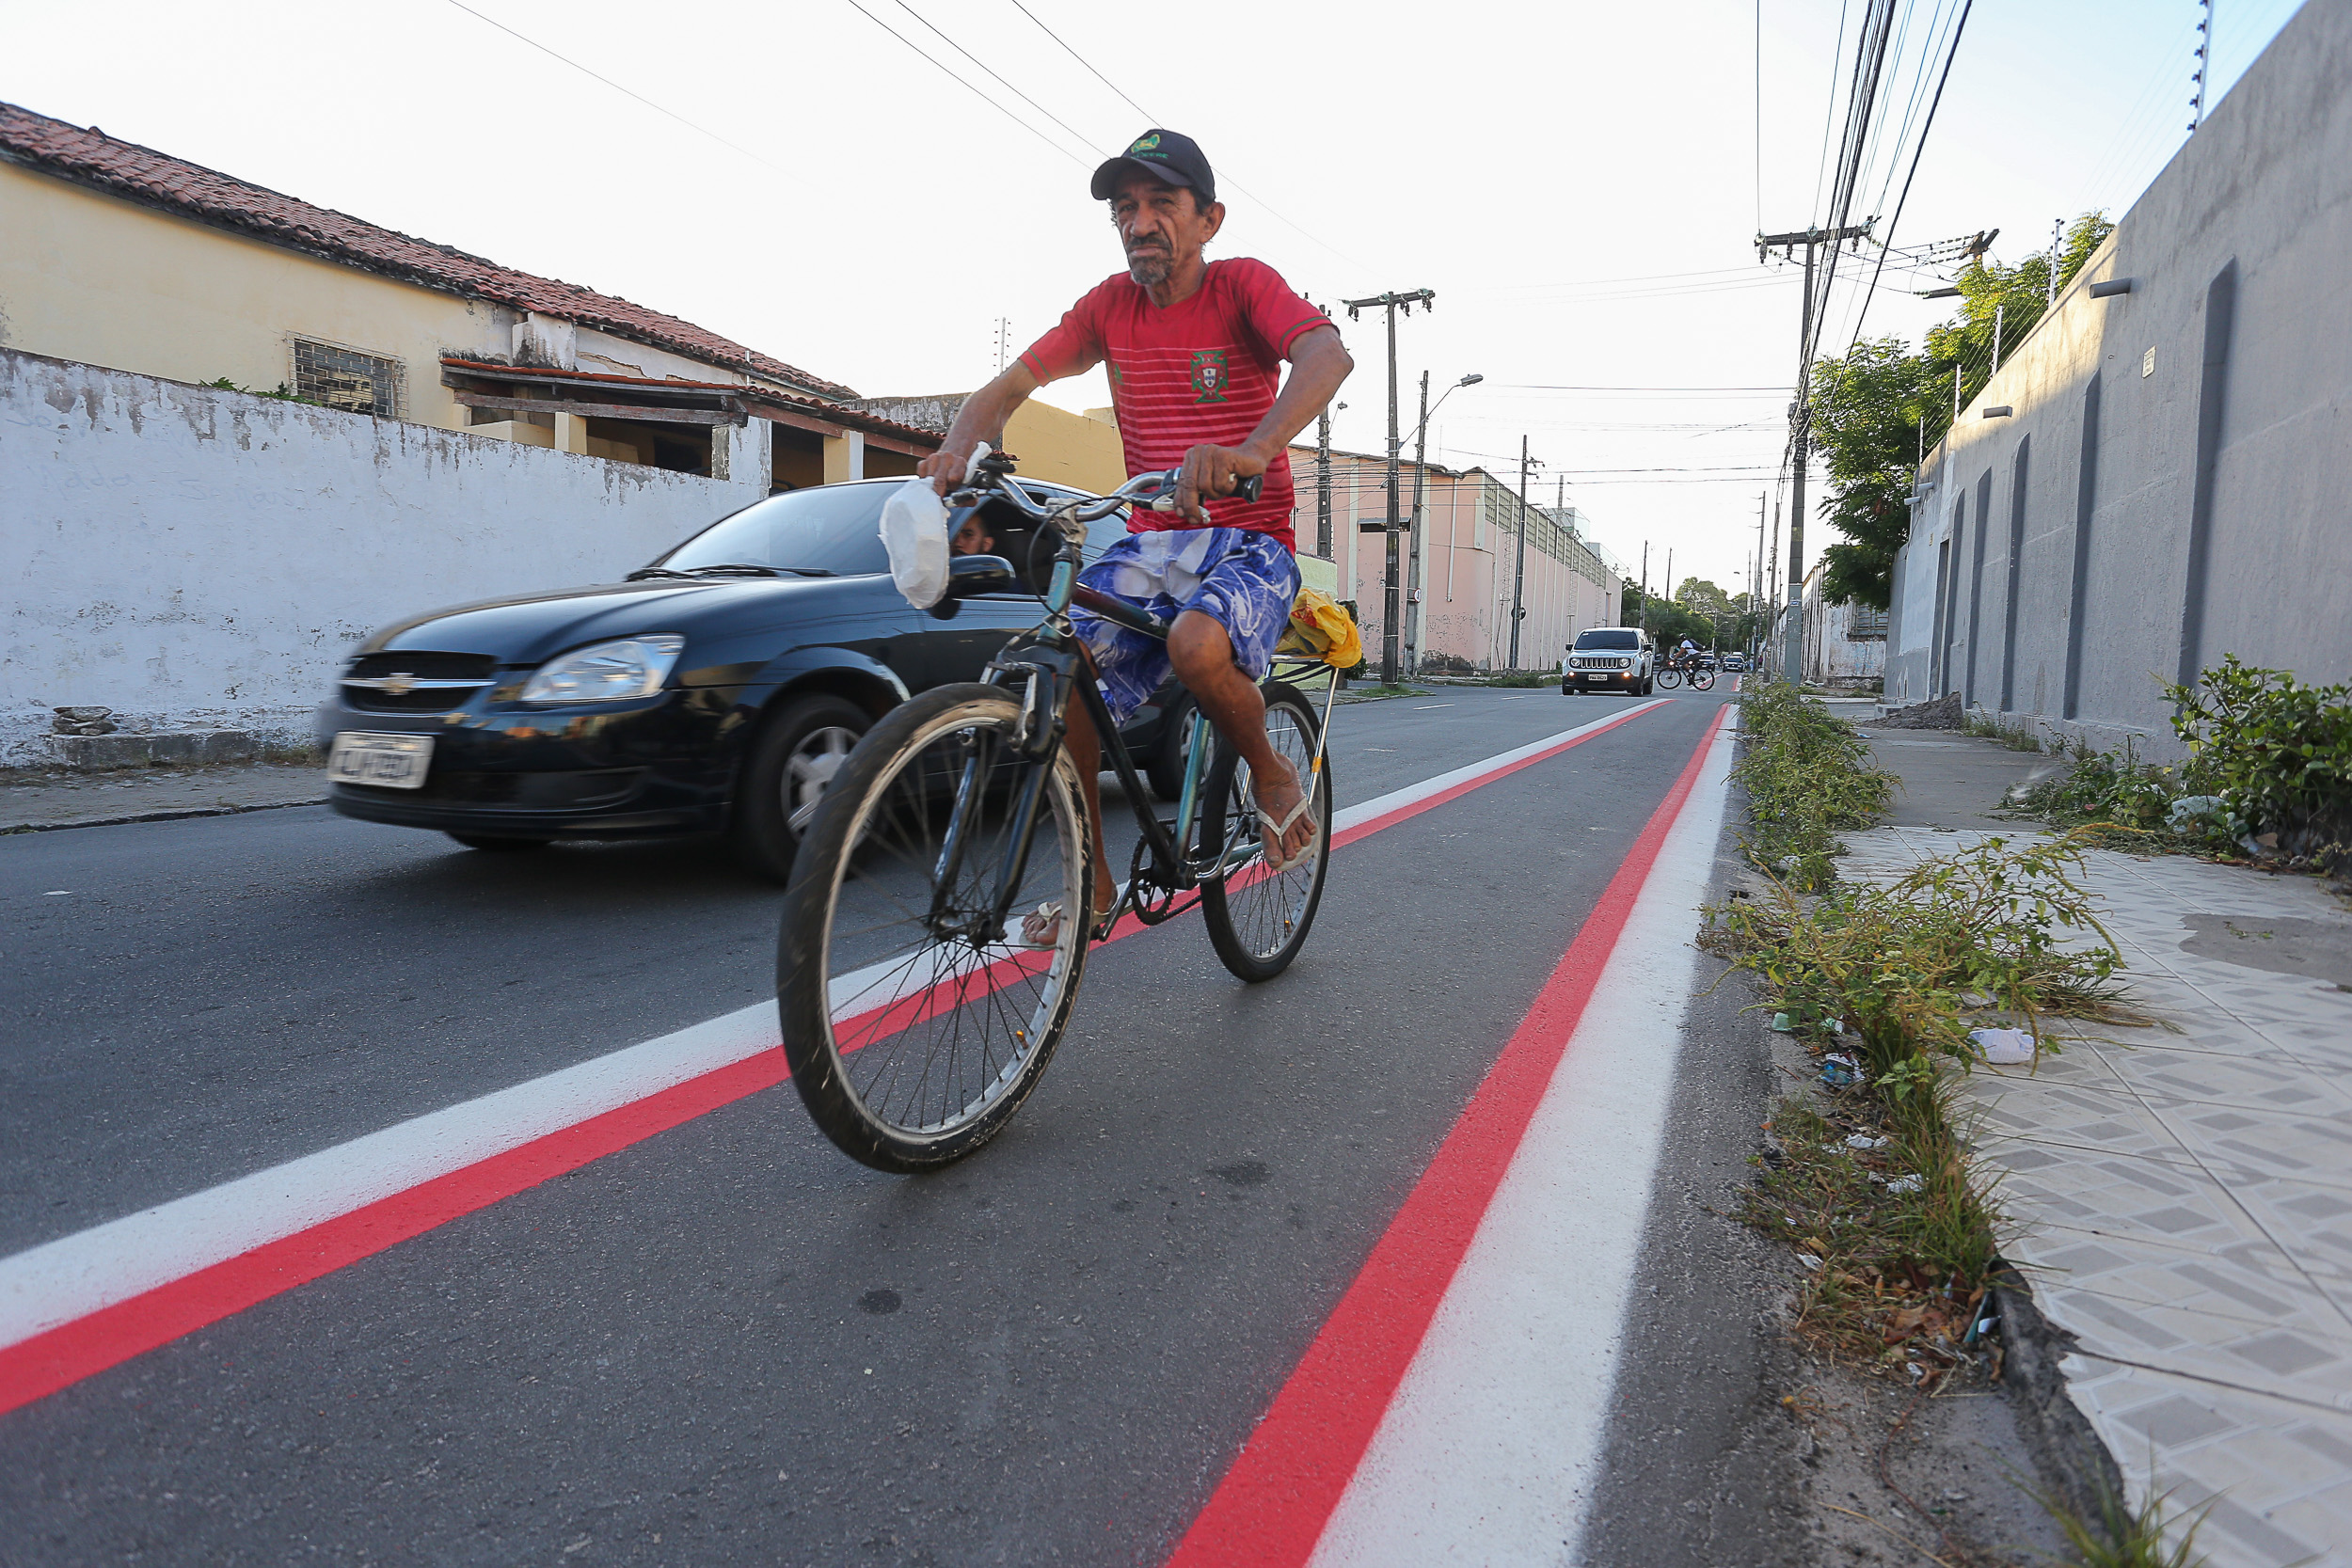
(1209, 375)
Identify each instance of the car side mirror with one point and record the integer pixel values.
(968, 575)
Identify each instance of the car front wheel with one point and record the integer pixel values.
(798, 750)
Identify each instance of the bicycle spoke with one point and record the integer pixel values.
(938, 1012)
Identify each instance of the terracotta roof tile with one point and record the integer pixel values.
(90, 157)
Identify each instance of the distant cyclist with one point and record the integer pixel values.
(1195, 350)
(1686, 653)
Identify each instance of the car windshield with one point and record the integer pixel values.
(1608, 641)
(834, 529)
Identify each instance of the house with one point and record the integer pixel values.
(131, 260)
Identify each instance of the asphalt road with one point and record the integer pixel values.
(727, 1343)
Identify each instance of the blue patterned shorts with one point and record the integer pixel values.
(1243, 579)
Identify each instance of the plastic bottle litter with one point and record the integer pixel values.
(1904, 1186)
(2003, 1047)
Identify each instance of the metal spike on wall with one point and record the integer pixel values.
(2205, 64)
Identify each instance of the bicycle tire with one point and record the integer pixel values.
(1259, 919)
(1703, 681)
(911, 1048)
(1670, 677)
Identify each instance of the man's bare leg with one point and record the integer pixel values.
(1203, 655)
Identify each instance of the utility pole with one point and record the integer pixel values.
(1756, 577)
(1391, 609)
(1323, 484)
(1646, 585)
(2058, 242)
(1519, 577)
(1800, 419)
(1412, 574)
(1771, 578)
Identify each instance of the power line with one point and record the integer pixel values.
(1155, 120)
(626, 92)
(1949, 54)
(967, 87)
(1083, 60)
(1083, 138)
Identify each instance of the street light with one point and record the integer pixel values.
(1418, 430)
(1421, 477)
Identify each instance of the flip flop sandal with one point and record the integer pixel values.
(1049, 915)
(1282, 831)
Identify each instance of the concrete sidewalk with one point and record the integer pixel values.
(2179, 1196)
(34, 802)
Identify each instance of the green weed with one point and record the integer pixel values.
(2122, 1536)
(1807, 774)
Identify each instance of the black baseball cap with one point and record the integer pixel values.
(1166, 155)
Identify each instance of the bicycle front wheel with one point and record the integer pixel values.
(914, 1019)
(1258, 917)
(1670, 677)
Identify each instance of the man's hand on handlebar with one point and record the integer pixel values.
(1210, 472)
(946, 467)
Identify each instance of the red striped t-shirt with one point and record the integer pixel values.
(1203, 371)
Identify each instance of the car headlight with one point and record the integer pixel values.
(607, 673)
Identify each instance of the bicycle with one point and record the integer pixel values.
(1669, 675)
(915, 1019)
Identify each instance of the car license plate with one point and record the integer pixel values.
(1596, 675)
(378, 760)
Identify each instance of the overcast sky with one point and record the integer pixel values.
(1578, 181)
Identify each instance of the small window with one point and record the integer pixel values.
(346, 378)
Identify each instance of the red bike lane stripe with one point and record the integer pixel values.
(1269, 1510)
(56, 1358)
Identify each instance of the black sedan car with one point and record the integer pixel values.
(716, 690)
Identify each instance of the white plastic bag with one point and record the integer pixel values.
(915, 532)
(2003, 1047)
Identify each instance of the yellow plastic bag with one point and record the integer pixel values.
(1321, 629)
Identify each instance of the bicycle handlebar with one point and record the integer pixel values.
(1157, 490)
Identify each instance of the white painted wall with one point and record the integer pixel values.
(201, 558)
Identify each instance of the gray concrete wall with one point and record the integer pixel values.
(198, 559)
(2137, 518)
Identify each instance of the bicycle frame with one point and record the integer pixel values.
(1058, 668)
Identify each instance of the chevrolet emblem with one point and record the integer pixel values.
(397, 685)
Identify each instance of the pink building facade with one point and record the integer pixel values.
(1460, 617)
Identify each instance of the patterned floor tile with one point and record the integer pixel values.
(2271, 1478)
(2180, 1196)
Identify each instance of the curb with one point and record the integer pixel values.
(2061, 1441)
(172, 816)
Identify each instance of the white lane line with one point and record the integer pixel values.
(66, 1279)
(1490, 1450)
(77, 1274)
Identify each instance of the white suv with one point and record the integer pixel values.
(1609, 659)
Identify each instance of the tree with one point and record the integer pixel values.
(1875, 410)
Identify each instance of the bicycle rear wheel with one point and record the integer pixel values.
(1703, 680)
(914, 1023)
(1258, 918)
(1670, 677)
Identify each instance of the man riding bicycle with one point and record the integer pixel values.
(1194, 349)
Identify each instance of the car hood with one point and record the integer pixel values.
(531, 629)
